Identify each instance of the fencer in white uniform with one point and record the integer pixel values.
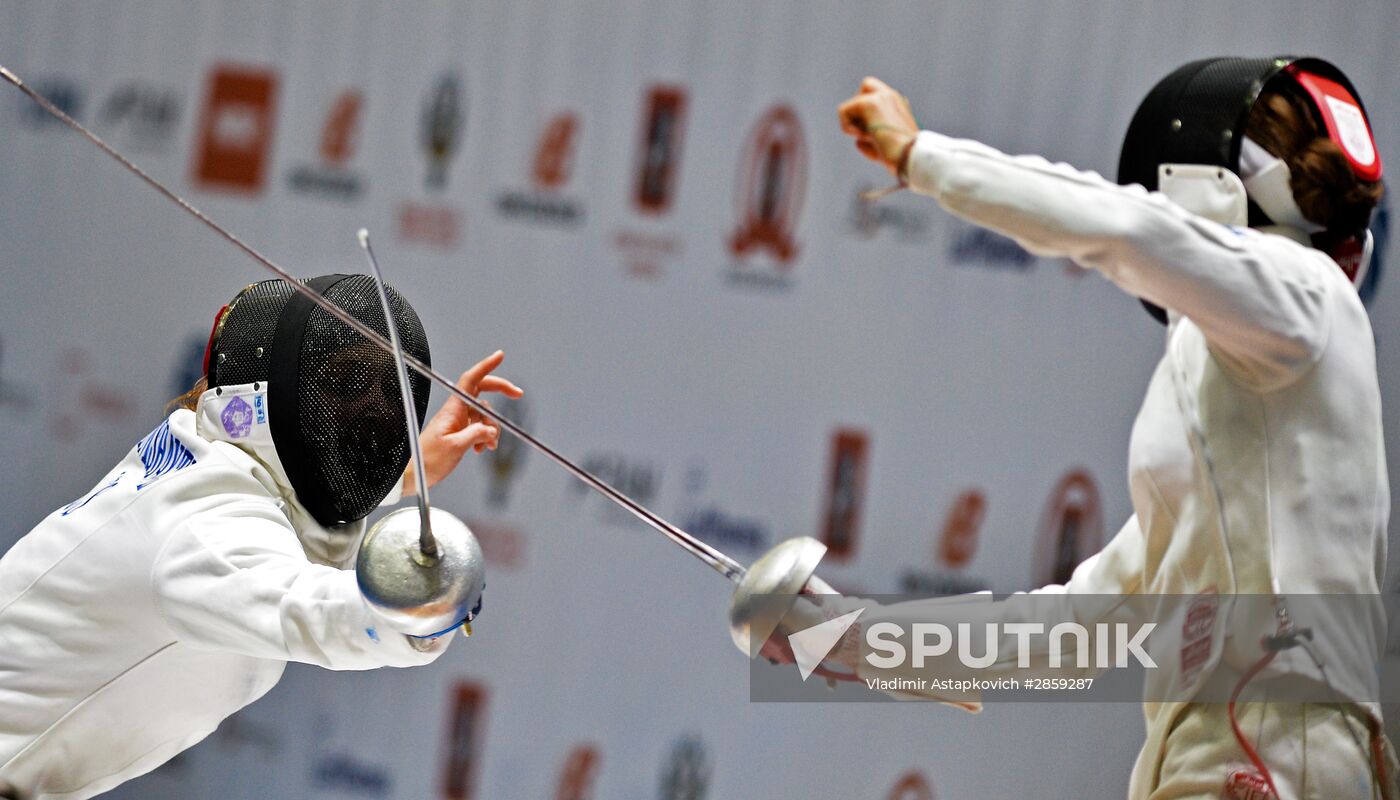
(1256, 463)
(139, 616)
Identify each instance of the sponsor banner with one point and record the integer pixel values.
(430, 219)
(1071, 528)
(955, 547)
(685, 775)
(140, 116)
(83, 400)
(911, 786)
(331, 175)
(236, 129)
(466, 728)
(544, 202)
(62, 91)
(579, 773)
(636, 477)
(772, 187)
(647, 250)
(845, 494)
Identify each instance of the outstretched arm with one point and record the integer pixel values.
(1259, 299)
(232, 576)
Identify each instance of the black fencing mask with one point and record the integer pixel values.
(1196, 118)
(334, 409)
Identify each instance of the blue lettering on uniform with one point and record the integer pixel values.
(161, 453)
(77, 504)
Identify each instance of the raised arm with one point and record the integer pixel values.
(1259, 299)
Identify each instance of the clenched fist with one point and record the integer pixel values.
(881, 122)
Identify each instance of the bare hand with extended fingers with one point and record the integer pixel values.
(458, 427)
(880, 120)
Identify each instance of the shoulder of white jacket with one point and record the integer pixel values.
(194, 470)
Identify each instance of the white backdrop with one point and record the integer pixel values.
(713, 384)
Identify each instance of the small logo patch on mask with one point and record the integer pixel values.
(237, 417)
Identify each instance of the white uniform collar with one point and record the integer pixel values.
(238, 415)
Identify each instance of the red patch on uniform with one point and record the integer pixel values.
(1247, 785)
(1197, 630)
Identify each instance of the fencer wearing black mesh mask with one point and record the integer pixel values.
(172, 593)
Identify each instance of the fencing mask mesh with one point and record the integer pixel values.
(334, 409)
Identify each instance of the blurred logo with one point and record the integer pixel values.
(331, 177)
(86, 398)
(772, 186)
(141, 115)
(1071, 528)
(686, 775)
(62, 92)
(905, 219)
(956, 546)
(713, 524)
(12, 395)
(504, 463)
(645, 252)
(465, 730)
(577, 776)
(440, 138)
(636, 478)
(977, 245)
(911, 786)
(845, 493)
(554, 156)
(345, 772)
(235, 134)
(443, 116)
(553, 165)
(503, 542)
(658, 166)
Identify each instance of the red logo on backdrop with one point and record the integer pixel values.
(845, 494)
(338, 135)
(576, 778)
(912, 786)
(958, 542)
(465, 730)
(772, 186)
(1071, 528)
(658, 167)
(235, 134)
(554, 157)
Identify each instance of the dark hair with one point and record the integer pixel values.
(1285, 123)
(189, 399)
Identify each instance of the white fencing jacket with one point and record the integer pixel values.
(1269, 370)
(135, 619)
